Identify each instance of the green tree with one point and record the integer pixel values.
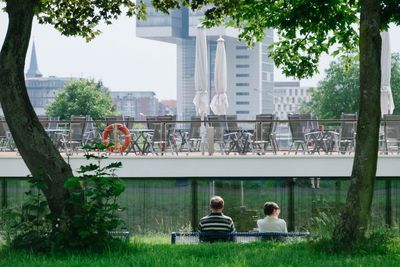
(71, 18)
(307, 29)
(339, 91)
(82, 97)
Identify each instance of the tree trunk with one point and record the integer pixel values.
(355, 217)
(40, 155)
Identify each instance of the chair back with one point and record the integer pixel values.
(296, 127)
(163, 126)
(308, 122)
(348, 126)
(129, 122)
(264, 127)
(392, 126)
(44, 120)
(195, 124)
(77, 127)
(53, 123)
(232, 123)
(110, 119)
(3, 127)
(219, 122)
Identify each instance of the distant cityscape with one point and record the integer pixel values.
(251, 86)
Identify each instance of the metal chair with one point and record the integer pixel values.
(219, 123)
(391, 133)
(298, 135)
(264, 134)
(163, 135)
(347, 135)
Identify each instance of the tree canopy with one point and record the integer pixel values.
(339, 91)
(82, 97)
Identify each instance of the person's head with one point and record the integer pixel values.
(217, 204)
(271, 209)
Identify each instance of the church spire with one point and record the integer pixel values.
(33, 70)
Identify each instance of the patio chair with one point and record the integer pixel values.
(110, 119)
(391, 133)
(193, 137)
(308, 122)
(219, 123)
(44, 120)
(163, 135)
(6, 139)
(74, 139)
(347, 135)
(264, 134)
(298, 135)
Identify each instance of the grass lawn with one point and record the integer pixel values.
(152, 252)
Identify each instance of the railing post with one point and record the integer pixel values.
(291, 219)
(388, 206)
(195, 206)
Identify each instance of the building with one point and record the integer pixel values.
(250, 71)
(136, 103)
(42, 90)
(288, 98)
(167, 107)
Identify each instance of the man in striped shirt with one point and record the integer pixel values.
(216, 226)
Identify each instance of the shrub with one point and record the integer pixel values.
(92, 200)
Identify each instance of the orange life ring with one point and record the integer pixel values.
(117, 147)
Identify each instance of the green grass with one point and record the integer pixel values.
(142, 253)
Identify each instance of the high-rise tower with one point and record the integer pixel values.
(250, 71)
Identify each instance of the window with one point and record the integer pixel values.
(242, 103)
(242, 56)
(241, 47)
(242, 112)
(242, 84)
(242, 66)
(242, 93)
(242, 75)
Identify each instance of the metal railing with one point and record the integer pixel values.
(166, 136)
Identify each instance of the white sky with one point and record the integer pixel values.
(122, 61)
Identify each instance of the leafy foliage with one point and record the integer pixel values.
(80, 18)
(29, 226)
(82, 97)
(339, 91)
(93, 197)
(306, 29)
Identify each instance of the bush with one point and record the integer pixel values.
(92, 200)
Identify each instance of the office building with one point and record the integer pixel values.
(42, 90)
(138, 104)
(288, 98)
(250, 71)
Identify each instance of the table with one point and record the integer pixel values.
(322, 139)
(140, 135)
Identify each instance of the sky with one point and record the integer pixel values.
(122, 61)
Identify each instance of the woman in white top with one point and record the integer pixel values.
(271, 222)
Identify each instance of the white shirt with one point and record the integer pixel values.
(271, 224)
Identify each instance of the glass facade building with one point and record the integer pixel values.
(250, 71)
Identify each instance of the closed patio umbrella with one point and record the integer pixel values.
(387, 104)
(200, 81)
(219, 104)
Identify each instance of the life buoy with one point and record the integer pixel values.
(117, 147)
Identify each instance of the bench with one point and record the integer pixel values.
(238, 237)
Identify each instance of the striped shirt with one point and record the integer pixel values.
(216, 222)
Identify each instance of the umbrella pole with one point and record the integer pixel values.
(203, 135)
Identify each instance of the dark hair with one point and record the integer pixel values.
(216, 203)
(270, 207)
